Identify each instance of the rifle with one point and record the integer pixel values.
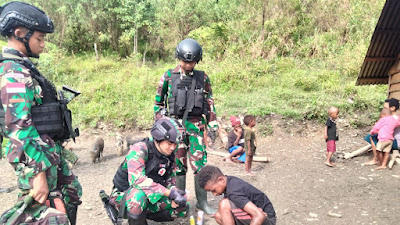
(110, 209)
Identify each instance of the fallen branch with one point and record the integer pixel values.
(357, 152)
(226, 154)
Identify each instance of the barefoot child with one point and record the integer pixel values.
(330, 134)
(243, 204)
(384, 128)
(249, 142)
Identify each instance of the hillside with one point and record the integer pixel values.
(293, 58)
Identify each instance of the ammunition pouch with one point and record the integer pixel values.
(178, 102)
(48, 119)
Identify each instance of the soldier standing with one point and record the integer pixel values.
(36, 156)
(188, 96)
(145, 182)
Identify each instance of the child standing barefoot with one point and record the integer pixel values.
(330, 134)
(250, 142)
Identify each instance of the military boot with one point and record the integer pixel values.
(181, 182)
(137, 219)
(201, 196)
(72, 211)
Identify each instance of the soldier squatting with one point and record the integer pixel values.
(150, 182)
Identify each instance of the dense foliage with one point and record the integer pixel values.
(293, 57)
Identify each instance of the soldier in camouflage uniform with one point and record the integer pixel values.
(146, 178)
(36, 158)
(186, 94)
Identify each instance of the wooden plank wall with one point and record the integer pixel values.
(394, 81)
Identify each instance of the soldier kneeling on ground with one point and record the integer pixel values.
(144, 184)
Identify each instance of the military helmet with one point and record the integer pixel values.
(167, 128)
(19, 14)
(189, 50)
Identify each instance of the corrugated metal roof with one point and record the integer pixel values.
(384, 47)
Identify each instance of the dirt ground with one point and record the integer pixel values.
(301, 187)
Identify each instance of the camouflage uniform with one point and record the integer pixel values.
(27, 151)
(193, 145)
(146, 195)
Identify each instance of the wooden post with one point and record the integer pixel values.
(95, 50)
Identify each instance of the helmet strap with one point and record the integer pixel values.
(25, 41)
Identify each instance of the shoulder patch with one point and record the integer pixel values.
(15, 88)
(14, 75)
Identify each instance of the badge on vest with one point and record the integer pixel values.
(162, 172)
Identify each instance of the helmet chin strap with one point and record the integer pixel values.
(25, 41)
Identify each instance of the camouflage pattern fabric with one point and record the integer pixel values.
(146, 195)
(137, 202)
(193, 146)
(35, 214)
(27, 151)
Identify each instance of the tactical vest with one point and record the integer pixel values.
(158, 167)
(178, 101)
(48, 118)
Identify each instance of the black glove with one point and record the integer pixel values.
(177, 197)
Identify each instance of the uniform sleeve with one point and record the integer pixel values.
(212, 115)
(162, 89)
(136, 166)
(171, 182)
(18, 92)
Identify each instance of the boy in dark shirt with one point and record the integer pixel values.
(330, 134)
(243, 203)
(236, 142)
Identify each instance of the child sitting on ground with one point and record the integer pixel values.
(243, 204)
(249, 142)
(330, 134)
(385, 128)
(236, 142)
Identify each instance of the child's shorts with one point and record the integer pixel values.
(374, 137)
(331, 146)
(384, 146)
(241, 217)
(242, 157)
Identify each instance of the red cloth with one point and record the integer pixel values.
(234, 121)
(331, 146)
